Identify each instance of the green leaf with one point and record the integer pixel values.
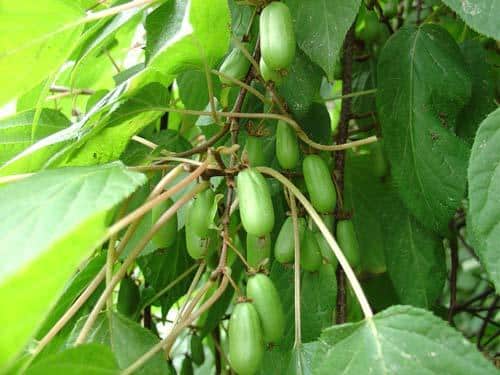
(320, 27)
(52, 221)
(193, 90)
(17, 132)
(136, 153)
(183, 35)
(74, 287)
(102, 134)
(96, 40)
(364, 195)
(414, 255)
(127, 339)
(399, 340)
(301, 84)
(482, 100)
(120, 125)
(423, 84)
(484, 190)
(90, 359)
(480, 15)
(31, 53)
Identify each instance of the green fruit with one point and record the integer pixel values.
(246, 348)
(197, 352)
(267, 302)
(269, 74)
(258, 249)
(319, 184)
(380, 164)
(200, 213)
(310, 254)
(256, 206)
(277, 38)
(254, 149)
(287, 146)
(187, 366)
(326, 251)
(284, 248)
(199, 247)
(235, 65)
(128, 297)
(166, 235)
(346, 238)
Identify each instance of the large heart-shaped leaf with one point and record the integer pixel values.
(484, 193)
(184, 35)
(35, 38)
(422, 85)
(481, 15)
(51, 221)
(399, 340)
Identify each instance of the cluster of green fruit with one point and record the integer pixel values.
(258, 318)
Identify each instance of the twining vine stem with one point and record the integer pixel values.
(342, 135)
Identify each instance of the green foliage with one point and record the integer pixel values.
(480, 15)
(402, 340)
(355, 120)
(77, 361)
(30, 54)
(319, 37)
(484, 185)
(63, 219)
(418, 114)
